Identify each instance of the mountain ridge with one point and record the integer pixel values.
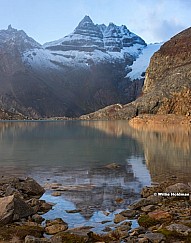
(80, 73)
(167, 86)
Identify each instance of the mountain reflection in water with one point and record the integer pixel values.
(167, 150)
(90, 144)
(75, 154)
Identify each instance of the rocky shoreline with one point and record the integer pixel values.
(168, 119)
(163, 213)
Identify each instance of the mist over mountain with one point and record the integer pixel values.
(91, 68)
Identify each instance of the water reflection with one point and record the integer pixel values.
(66, 144)
(93, 192)
(99, 188)
(167, 150)
(91, 144)
(75, 154)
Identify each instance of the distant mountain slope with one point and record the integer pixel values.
(167, 87)
(78, 74)
(5, 115)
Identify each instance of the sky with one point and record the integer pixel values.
(48, 20)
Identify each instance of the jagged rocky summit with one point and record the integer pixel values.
(167, 86)
(89, 37)
(93, 67)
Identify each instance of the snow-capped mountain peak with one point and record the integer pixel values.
(87, 36)
(87, 28)
(79, 73)
(85, 22)
(18, 38)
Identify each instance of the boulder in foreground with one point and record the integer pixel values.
(13, 208)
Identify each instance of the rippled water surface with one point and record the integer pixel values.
(76, 154)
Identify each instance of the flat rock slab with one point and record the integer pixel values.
(119, 218)
(55, 226)
(160, 215)
(130, 214)
(74, 211)
(82, 231)
(32, 239)
(155, 237)
(151, 200)
(179, 228)
(178, 187)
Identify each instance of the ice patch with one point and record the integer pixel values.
(142, 62)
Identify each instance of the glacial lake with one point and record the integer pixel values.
(76, 155)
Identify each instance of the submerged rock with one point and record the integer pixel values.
(74, 211)
(119, 218)
(112, 166)
(56, 194)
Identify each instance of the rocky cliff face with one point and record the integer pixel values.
(89, 37)
(167, 87)
(5, 115)
(78, 74)
(171, 69)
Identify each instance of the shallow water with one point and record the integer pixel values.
(75, 153)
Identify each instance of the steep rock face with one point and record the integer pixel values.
(168, 78)
(171, 60)
(5, 115)
(89, 37)
(12, 44)
(118, 37)
(86, 37)
(78, 74)
(167, 87)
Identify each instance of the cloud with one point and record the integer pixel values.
(162, 21)
(163, 30)
(153, 20)
(186, 3)
(167, 28)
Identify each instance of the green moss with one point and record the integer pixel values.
(166, 232)
(187, 224)
(100, 238)
(65, 237)
(171, 236)
(69, 238)
(146, 221)
(21, 231)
